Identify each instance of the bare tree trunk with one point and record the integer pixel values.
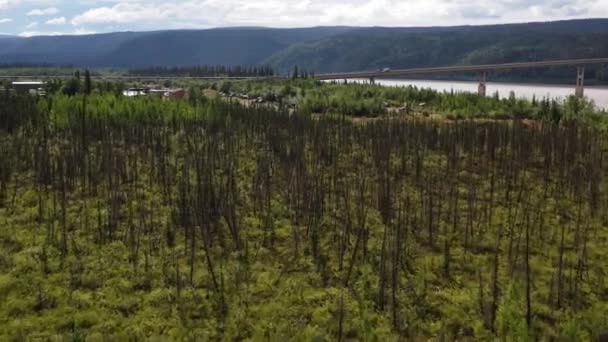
(528, 276)
(560, 267)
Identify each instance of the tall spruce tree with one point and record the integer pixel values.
(88, 86)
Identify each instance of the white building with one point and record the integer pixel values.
(29, 87)
(133, 92)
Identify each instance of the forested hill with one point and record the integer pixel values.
(374, 48)
(324, 49)
(227, 46)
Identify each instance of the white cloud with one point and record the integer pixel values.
(28, 34)
(43, 12)
(120, 13)
(7, 3)
(75, 32)
(113, 15)
(56, 21)
(293, 13)
(82, 31)
(4, 4)
(6, 20)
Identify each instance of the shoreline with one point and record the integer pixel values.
(535, 84)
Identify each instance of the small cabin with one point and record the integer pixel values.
(29, 87)
(134, 92)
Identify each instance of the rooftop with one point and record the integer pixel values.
(29, 83)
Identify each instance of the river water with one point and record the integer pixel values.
(598, 94)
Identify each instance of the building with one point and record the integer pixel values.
(177, 94)
(164, 93)
(134, 92)
(158, 92)
(29, 87)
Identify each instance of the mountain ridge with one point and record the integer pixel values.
(230, 46)
(378, 48)
(319, 49)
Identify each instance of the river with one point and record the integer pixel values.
(598, 94)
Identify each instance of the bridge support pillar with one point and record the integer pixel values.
(483, 77)
(372, 80)
(580, 82)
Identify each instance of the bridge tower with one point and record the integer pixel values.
(580, 81)
(483, 76)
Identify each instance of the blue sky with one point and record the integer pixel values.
(51, 17)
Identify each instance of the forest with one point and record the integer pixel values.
(374, 101)
(205, 71)
(375, 48)
(26, 69)
(207, 219)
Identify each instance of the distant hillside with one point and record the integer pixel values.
(230, 46)
(375, 48)
(327, 49)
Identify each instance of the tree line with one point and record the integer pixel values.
(206, 71)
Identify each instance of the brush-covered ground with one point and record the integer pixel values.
(135, 219)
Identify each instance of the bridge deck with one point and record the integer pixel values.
(462, 68)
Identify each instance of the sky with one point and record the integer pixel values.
(52, 17)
